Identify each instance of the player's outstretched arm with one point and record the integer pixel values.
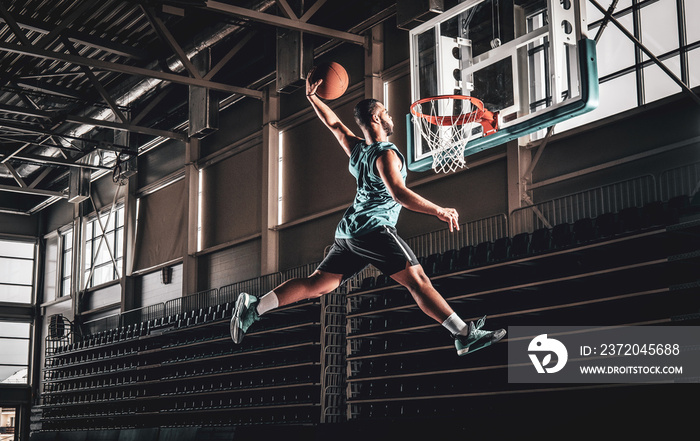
(389, 166)
(342, 133)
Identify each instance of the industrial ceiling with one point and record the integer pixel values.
(91, 84)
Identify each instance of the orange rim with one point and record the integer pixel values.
(474, 116)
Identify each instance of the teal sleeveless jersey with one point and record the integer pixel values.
(373, 206)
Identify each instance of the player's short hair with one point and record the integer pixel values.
(364, 111)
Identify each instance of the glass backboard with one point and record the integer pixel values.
(528, 61)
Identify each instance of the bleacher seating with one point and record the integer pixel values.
(589, 271)
(562, 235)
(520, 245)
(501, 249)
(583, 230)
(631, 219)
(448, 262)
(465, 257)
(607, 225)
(541, 240)
(383, 369)
(120, 378)
(482, 253)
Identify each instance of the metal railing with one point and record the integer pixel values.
(140, 315)
(103, 324)
(192, 302)
(470, 233)
(680, 181)
(590, 203)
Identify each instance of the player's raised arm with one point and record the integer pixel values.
(342, 133)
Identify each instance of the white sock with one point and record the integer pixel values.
(267, 302)
(455, 325)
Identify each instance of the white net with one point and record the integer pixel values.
(446, 124)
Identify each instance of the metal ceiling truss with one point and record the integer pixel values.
(34, 133)
(34, 51)
(96, 143)
(78, 37)
(298, 24)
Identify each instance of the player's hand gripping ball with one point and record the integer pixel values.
(335, 80)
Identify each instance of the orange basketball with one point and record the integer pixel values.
(335, 80)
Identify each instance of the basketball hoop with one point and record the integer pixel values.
(447, 124)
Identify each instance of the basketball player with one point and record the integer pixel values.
(366, 233)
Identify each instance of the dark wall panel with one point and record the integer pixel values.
(396, 48)
(236, 122)
(152, 290)
(315, 168)
(302, 244)
(161, 231)
(56, 216)
(160, 162)
(102, 297)
(475, 193)
(240, 262)
(19, 224)
(232, 198)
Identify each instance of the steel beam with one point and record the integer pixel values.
(103, 145)
(15, 175)
(57, 30)
(125, 127)
(33, 191)
(284, 22)
(81, 38)
(37, 113)
(312, 10)
(6, 138)
(130, 70)
(284, 6)
(10, 21)
(44, 173)
(50, 160)
(168, 39)
(270, 182)
(50, 89)
(151, 105)
(225, 59)
(96, 84)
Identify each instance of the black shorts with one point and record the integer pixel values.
(383, 249)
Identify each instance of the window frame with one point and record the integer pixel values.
(62, 233)
(115, 250)
(32, 285)
(29, 341)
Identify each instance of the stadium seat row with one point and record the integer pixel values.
(560, 236)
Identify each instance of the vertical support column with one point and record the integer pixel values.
(374, 63)
(683, 41)
(270, 182)
(129, 298)
(190, 264)
(77, 282)
(518, 174)
(128, 286)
